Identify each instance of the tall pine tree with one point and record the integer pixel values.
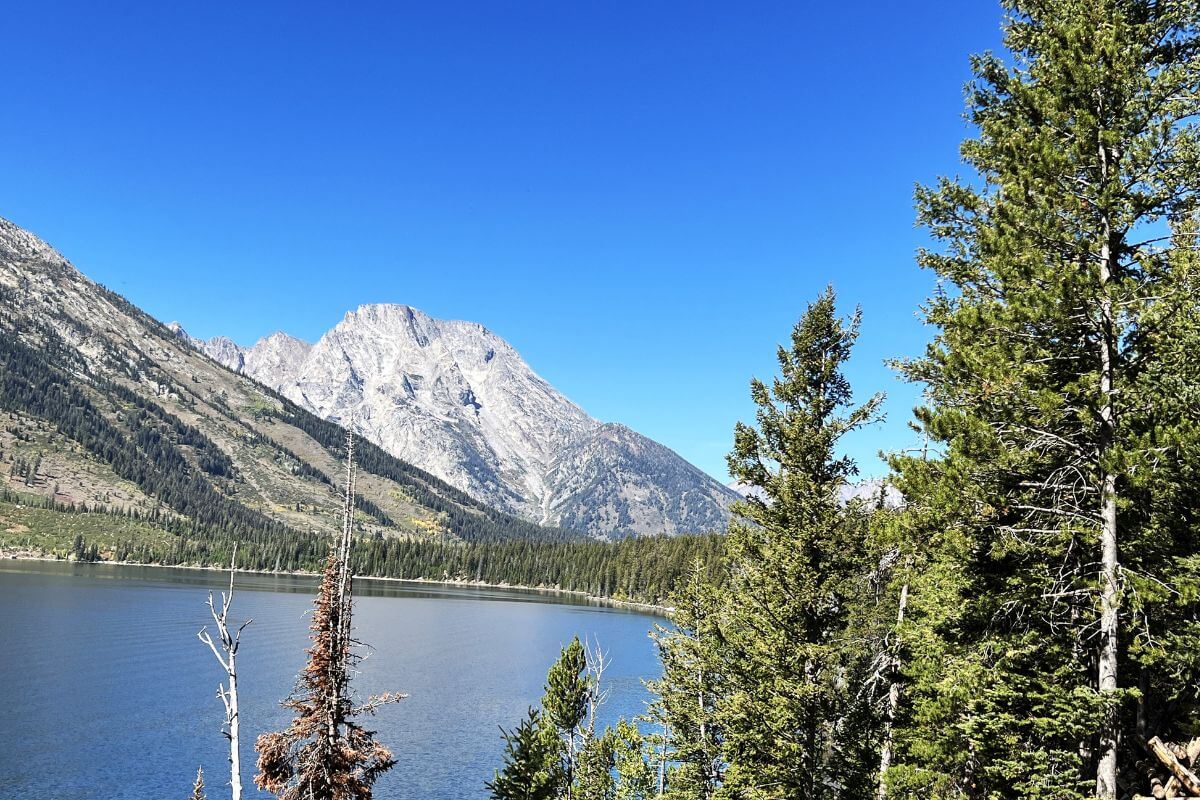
(565, 705)
(793, 723)
(1040, 661)
(326, 753)
(690, 689)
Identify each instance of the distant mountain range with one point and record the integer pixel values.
(108, 409)
(872, 491)
(458, 401)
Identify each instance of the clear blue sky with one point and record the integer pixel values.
(640, 196)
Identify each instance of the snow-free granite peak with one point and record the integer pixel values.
(458, 401)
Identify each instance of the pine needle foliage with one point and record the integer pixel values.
(565, 705)
(794, 726)
(531, 767)
(1051, 621)
(692, 684)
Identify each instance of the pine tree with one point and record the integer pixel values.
(594, 770)
(325, 754)
(690, 689)
(793, 726)
(636, 774)
(1039, 662)
(565, 704)
(531, 767)
(895, 554)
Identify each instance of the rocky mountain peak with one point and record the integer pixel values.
(19, 243)
(457, 400)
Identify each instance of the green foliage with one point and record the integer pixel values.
(794, 723)
(594, 768)
(146, 447)
(643, 569)
(577, 762)
(565, 703)
(766, 689)
(1059, 301)
(636, 776)
(531, 770)
(692, 683)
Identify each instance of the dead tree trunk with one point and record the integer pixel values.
(325, 753)
(226, 655)
(893, 705)
(597, 662)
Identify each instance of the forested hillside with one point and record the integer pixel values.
(107, 412)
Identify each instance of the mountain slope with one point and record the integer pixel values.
(108, 409)
(460, 402)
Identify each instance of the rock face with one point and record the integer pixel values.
(204, 439)
(458, 401)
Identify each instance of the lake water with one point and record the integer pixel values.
(105, 692)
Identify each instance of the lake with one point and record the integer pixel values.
(107, 693)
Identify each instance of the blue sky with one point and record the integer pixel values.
(641, 197)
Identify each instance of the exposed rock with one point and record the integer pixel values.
(458, 401)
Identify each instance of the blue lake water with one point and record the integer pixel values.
(105, 692)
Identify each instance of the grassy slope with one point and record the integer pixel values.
(26, 530)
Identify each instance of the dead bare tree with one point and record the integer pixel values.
(226, 655)
(325, 754)
(886, 750)
(597, 663)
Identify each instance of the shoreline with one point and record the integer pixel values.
(583, 598)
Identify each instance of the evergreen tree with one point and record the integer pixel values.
(690, 689)
(594, 771)
(531, 769)
(565, 704)
(1060, 539)
(794, 727)
(325, 753)
(636, 778)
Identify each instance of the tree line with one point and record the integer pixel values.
(642, 569)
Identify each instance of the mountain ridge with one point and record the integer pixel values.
(459, 401)
(110, 411)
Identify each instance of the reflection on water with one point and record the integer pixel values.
(101, 670)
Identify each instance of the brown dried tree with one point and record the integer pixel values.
(198, 786)
(325, 754)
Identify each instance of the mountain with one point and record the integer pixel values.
(459, 402)
(871, 491)
(107, 411)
